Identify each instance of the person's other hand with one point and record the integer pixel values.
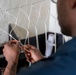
(11, 51)
(32, 53)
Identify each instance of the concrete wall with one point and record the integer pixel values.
(10, 9)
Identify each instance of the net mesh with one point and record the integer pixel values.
(24, 19)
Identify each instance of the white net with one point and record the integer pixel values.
(24, 19)
(27, 15)
(28, 18)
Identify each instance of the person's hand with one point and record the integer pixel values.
(32, 53)
(11, 51)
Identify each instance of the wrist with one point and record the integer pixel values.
(10, 69)
(11, 64)
(40, 58)
(43, 57)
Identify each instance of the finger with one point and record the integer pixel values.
(28, 60)
(28, 45)
(32, 47)
(27, 57)
(22, 47)
(25, 48)
(17, 45)
(27, 54)
(15, 42)
(31, 60)
(12, 42)
(8, 44)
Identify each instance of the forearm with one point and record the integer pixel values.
(10, 70)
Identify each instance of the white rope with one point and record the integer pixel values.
(37, 41)
(39, 14)
(45, 32)
(27, 36)
(29, 21)
(28, 16)
(7, 33)
(11, 37)
(46, 28)
(16, 24)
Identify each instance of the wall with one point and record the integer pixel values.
(11, 13)
(28, 16)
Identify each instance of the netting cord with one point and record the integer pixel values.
(16, 24)
(36, 31)
(27, 35)
(46, 28)
(28, 26)
(10, 34)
